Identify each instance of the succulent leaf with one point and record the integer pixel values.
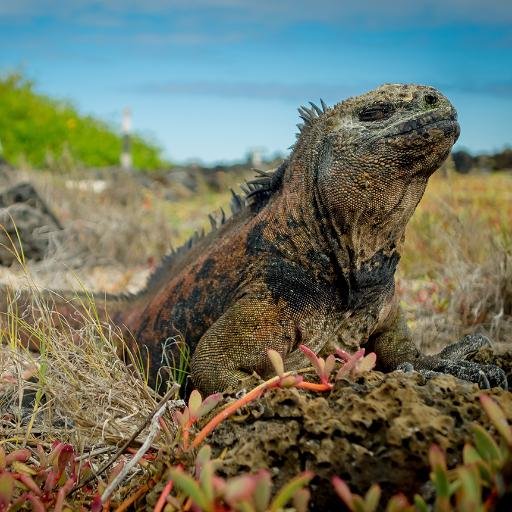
(277, 361)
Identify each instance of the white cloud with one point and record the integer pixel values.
(368, 12)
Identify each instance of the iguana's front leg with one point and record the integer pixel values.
(395, 349)
(236, 345)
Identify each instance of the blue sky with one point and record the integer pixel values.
(208, 79)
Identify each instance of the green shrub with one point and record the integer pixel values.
(38, 130)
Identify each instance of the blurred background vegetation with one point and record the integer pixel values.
(37, 130)
(465, 162)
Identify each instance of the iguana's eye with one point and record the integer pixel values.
(376, 112)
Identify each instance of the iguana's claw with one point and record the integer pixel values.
(409, 368)
(486, 376)
(484, 381)
(452, 359)
(406, 367)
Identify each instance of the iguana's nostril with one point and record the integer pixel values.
(430, 99)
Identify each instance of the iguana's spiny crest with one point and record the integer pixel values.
(382, 138)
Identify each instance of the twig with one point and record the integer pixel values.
(125, 505)
(154, 429)
(92, 453)
(132, 438)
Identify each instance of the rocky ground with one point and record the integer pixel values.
(376, 429)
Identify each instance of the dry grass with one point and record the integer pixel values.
(75, 387)
(112, 240)
(78, 391)
(456, 272)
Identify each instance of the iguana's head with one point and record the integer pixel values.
(368, 158)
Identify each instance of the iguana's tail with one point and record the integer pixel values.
(24, 313)
(26, 316)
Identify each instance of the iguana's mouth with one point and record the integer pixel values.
(424, 123)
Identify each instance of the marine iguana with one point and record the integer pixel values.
(310, 253)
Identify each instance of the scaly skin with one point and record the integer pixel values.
(310, 259)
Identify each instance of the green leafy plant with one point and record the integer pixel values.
(355, 364)
(44, 484)
(196, 409)
(39, 129)
(355, 502)
(48, 481)
(206, 491)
